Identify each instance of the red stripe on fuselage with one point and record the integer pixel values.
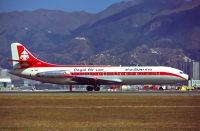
(127, 74)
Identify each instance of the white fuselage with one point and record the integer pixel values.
(126, 74)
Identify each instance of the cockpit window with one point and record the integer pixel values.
(182, 72)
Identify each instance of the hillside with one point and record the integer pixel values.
(164, 32)
(40, 30)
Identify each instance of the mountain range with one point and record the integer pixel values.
(136, 32)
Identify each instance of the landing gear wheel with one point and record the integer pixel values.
(161, 88)
(89, 88)
(97, 88)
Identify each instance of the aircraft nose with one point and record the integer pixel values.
(187, 77)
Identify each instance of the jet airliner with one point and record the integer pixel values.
(26, 65)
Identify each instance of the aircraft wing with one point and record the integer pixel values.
(87, 79)
(95, 79)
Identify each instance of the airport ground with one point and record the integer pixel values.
(83, 111)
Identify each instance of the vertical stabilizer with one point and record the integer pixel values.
(15, 55)
(22, 58)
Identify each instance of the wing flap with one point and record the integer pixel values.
(97, 80)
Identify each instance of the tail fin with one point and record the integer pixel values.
(22, 58)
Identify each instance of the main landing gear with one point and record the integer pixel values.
(91, 88)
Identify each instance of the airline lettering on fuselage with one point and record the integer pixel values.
(88, 69)
(138, 69)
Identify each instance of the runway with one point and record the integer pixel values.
(129, 93)
(90, 107)
(78, 110)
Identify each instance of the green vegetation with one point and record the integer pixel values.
(111, 112)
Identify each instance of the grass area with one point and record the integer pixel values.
(99, 112)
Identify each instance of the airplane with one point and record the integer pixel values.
(26, 65)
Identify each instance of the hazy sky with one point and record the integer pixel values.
(66, 5)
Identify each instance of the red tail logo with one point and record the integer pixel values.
(24, 56)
